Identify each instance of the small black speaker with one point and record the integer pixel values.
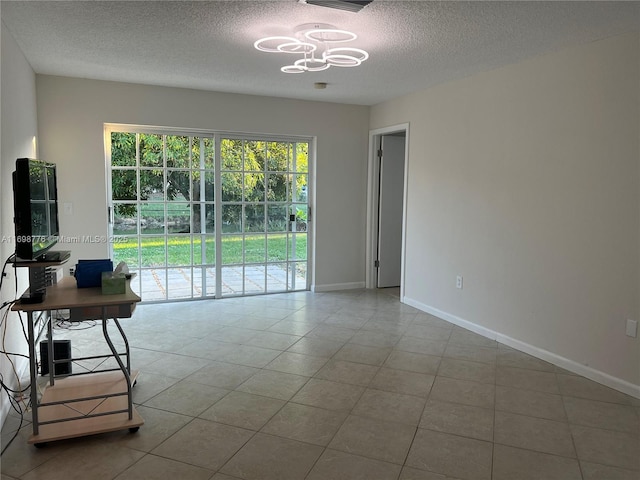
(61, 351)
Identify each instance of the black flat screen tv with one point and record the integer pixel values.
(35, 200)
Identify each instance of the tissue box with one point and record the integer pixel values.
(113, 283)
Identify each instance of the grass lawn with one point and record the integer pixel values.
(179, 250)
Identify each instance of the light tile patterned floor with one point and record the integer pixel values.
(342, 385)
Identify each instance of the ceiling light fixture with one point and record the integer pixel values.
(348, 5)
(315, 44)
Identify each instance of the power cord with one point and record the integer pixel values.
(4, 267)
(20, 391)
(12, 393)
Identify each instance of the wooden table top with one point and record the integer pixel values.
(66, 294)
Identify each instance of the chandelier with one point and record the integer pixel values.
(318, 46)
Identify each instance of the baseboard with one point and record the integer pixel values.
(23, 371)
(330, 287)
(562, 362)
(573, 366)
(480, 330)
(4, 411)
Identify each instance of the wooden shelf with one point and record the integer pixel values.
(91, 385)
(66, 294)
(18, 262)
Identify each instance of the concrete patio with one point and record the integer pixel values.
(183, 282)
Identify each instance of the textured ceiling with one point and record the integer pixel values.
(209, 45)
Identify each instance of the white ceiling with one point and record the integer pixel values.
(208, 45)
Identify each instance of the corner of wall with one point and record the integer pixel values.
(19, 121)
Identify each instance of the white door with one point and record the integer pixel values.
(390, 210)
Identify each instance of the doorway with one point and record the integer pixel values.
(386, 207)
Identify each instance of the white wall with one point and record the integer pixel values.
(71, 114)
(525, 180)
(19, 128)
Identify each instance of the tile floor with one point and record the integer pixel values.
(342, 385)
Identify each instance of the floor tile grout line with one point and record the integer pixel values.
(495, 406)
(422, 414)
(495, 365)
(573, 439)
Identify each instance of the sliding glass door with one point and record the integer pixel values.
(209, 215)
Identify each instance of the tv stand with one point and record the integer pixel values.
(55, 256)
(38, 274)
(74, 405)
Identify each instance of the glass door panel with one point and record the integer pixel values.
(194, 225)
(271, 193)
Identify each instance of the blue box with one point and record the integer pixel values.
(88, 273)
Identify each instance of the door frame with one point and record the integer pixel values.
(373, 195)
(217, 135)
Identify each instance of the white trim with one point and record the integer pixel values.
(480, 330)
(4, 412)
(329, 287)
(311, 212)
(558, 360)
(23, 374)
(372, 203)
(572, 366)
(197, 132)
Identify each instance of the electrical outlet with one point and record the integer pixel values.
(459, 281)
(68, 208)
(632, 328)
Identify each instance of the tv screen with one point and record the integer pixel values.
(35, 198)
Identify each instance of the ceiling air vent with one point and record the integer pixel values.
(348, 5)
